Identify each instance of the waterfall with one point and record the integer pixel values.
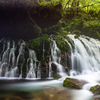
(19, 61)
(56, 59)
(32, 64)
(85, 56)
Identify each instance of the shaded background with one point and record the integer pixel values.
(25, 19)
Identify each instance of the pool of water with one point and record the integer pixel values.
(22, 89)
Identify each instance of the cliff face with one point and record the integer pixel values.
(25, 19)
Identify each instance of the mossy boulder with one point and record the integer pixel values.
(95, 90)
(73, 83)
(56, 76)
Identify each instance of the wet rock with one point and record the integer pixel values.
(54, 69)
(53, 93)
(73, 83)
(96, 97)
(24, 95)
(54, 90)
(95, 90)
(56, 76)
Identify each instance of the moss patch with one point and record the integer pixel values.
(71, 84)
(95, 90)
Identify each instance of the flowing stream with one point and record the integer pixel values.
(84, 59)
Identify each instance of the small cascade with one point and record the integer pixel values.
(50, 68)
(17, 61)
(31, 64)
(55, 52)
(39, 71)
(55, 59)
(7, 64)
(85, 56)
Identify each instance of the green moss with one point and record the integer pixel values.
(61, 43)
(88, 39)
(77, 32)
(39, 44)
(70, 84)
(98, 34)
(48, 3)
(36, 42)
(56, 76)
(76, 36)
(95, 90)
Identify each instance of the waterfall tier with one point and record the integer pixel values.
(19, 61)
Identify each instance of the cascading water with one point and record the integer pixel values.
(19, 61)
(12, 60)
(85, 56)
(32, 64)
(56, 59)
(16, 58)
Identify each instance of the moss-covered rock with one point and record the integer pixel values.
(69, 83)
(76, 36)
(56, 76)
(42, 47)
(73, 83)
(95, 90)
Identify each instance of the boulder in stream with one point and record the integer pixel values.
(74, 83)
(95, 90)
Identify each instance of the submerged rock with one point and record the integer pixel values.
(73, 83)
(24, 95)
(54, 93)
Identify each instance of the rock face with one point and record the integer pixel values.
(73, 83)
(24, 19)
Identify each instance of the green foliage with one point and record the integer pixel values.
(36, 42)
(91, 23)
(77, 32)
(61, 43)
(76, 36)
(92, 27)
(98, 34)
(39, 44)
(48, 3)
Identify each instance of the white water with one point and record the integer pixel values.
(56, 59)
(9, 62)
(85, 63)
(85, 59)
